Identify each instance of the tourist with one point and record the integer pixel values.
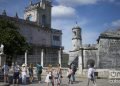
(5, 69)
(49, 78)
(69, 72)
(24, 73)
(16, 70)
(39, 72)
(0, 69)
(74, 69)
(57, 75)
(30, 69)
(91, 76)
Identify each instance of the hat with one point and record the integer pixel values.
(49, 65)
(23, 65)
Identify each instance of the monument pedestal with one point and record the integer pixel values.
(2, 59)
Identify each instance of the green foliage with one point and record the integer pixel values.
(14, 43)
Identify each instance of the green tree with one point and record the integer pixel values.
(14, 43)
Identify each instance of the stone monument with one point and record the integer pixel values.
(2, 55)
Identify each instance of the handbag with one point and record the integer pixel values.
(50, 77)
(61, 76)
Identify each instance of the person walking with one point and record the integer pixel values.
(39, 72)
(74, 69)
(57, 75)
(59, 70)
(91, 76)
(30, 69)
(0, 69)
(16, 71)
(24, 73)
(69, 72)
(49, 78)
(5, 69)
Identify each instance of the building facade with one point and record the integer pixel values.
(105, 54)
(46, 42)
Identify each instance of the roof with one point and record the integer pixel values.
(90, 46)
(27, 22)
(111, 34)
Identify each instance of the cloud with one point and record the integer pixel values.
(81, 2)
(66, 27)
(116, 23)
(112, 25)
(63, 12)
(109, 0)
(76, 2)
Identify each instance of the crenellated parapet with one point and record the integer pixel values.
(39, 5)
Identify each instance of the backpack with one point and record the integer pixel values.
(39, 69)
(74, 68)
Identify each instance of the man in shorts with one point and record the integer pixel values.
(5, 69)
(39, 72)
(16, 70)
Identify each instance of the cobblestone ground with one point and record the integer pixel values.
(79, 82)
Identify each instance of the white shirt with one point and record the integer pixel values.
(16, 68)
(91, 72)
(6, 69)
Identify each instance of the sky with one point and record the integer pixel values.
(93, 16)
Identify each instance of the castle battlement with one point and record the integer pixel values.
(39, 5)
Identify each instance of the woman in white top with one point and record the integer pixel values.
(49, 78)
(24, 73)
(91, 76)
(57, 75)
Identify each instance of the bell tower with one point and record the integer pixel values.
(76, 39)
(39, 12)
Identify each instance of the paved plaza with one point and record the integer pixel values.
(79, 82)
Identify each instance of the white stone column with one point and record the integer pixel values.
(98, 61)
(26, 57)
(59, 56)
(98, 58)
(0, 60)
(42, 56)
(80, 64)
(84, 59)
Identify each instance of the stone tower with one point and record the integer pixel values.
(76, 52)
(39, 12)
(76, 39)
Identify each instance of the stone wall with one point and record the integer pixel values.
(102, 73)
(109, 53)
(90, 54)
(36, 35)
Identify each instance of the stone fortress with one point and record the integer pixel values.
(105, 54)
(46, 42)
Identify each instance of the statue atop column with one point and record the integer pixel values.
(1, 49)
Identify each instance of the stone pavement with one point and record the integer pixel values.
(79, 82)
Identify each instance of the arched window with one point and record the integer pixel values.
(74, 33)
(43, 20)
(91, 62)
